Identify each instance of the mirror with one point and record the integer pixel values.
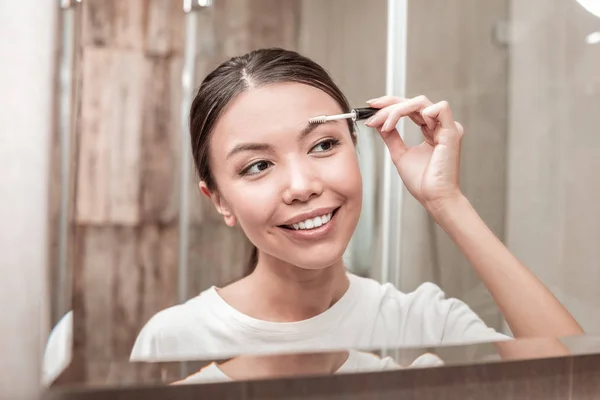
(136, 236)
(260, 366)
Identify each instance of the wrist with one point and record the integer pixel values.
(441, 209)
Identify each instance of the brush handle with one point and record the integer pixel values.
(364, 112)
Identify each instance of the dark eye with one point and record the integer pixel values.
(325, 145)
(256, 168)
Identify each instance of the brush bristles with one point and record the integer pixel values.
(317, 120)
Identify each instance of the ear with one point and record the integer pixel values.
(204, 189)
(220, 204)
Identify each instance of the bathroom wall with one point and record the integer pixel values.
(553, 202)
(453, 55)
(348, 38)
(26, 79)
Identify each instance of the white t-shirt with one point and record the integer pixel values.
(57, 354)
(356, 362)
(370, 315)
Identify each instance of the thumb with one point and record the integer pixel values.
(393, 141)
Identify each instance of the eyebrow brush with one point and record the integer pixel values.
(356, 114)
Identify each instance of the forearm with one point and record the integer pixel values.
(523, 349)
(530, 309)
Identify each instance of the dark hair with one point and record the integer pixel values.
(258, 68)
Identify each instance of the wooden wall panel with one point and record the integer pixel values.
(109, 136)
(160, 144)
(165, 32)
(116, 23)
(128, 156)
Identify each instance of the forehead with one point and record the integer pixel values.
(264, 112)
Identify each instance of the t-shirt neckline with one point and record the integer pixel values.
(225, 312)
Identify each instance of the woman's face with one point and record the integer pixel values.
(294, 188)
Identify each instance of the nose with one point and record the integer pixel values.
(302, 183)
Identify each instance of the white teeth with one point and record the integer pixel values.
(313, 222)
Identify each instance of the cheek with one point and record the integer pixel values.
(343, 174)
(253, 203)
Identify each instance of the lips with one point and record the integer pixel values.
(312, 235)
(311, 221)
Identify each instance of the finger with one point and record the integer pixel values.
(460, 128)
(385, 101)
(421, 121)
(408, 108)
(379, 118)
(393, 118)
(418, 119)
(393, 141)
(392, 103)
(429, 122)
(441, 112)
(428, 134)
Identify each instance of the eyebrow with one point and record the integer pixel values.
(267, 147)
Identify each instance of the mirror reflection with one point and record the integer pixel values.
(248, 367)
(199, 215)
(251, 367)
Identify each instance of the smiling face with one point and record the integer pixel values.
(295, 189)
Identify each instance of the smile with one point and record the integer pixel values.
(311, 224)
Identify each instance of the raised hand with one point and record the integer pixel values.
(429, 170)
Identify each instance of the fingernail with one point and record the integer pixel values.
(386, 126)
(371, 101)
(368, 122)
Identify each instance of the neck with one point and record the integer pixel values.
(281, 292)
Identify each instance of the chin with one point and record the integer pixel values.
(318, 261)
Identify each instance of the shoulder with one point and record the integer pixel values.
(427, 294)
(168, 327)
(426, 316)
(427, 302)
(387, 290)
(172, 318)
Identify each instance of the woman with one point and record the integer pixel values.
(295, 189)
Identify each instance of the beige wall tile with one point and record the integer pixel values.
(553, 194)
(582, 59)
(452, 56)
(579, 272)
